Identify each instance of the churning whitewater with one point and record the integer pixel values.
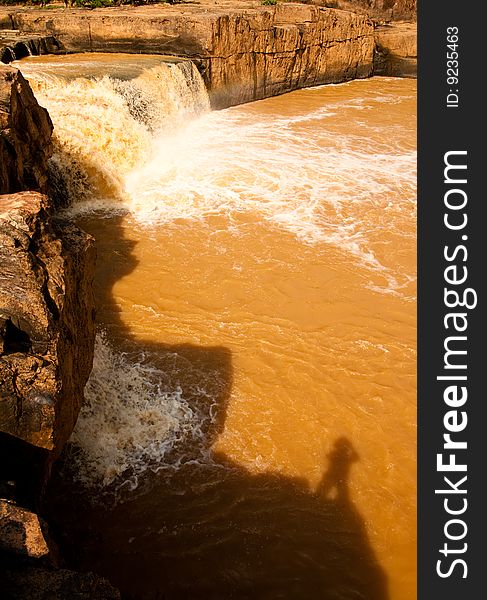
(139, 144)
(255, 288)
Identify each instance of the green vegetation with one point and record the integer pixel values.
(92, 3)
(104, 3)
(86, 3)
(269, 2)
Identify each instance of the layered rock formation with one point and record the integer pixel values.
(14, 45)
(46, 271)
(270, 53)
(46, 321)
(46, 346)
(25, 135)
(245, 51)
(47, 266)
(381, 10)
(396, 51)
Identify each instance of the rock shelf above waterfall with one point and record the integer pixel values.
(245, 51)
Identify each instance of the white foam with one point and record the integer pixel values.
(139, 145)
(104, 127)
(130, 420)
(224, 163)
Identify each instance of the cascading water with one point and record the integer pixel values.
(105, 125)
(256, 286)
(106, 128)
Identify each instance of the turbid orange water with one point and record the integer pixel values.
(250, 426)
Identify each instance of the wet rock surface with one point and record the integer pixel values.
(15, 46)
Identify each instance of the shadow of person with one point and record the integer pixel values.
(336, 478)
(203, 526)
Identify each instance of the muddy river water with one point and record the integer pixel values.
(250, 425)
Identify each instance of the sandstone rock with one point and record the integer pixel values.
(267, 54)
(21, 532)
(245, 51)
(382, 10)
(15, 46)
(25, 135)
(5, 22)
(396, 50)
(46, 321)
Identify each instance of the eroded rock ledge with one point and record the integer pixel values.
(396, 50)
(46, 347)
(245, 51)
(46, 273)
(15, 46)
(46, 321)
(25, 135)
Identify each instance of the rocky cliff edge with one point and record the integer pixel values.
(46, 347)
(46, 297)
(25, 135)
(244, 50)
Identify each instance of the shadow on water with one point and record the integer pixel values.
(210, 529)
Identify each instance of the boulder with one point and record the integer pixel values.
(22, 532)
(29, 563)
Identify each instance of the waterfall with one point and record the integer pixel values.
(131, 135)
(108, 112)
(105, 124)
